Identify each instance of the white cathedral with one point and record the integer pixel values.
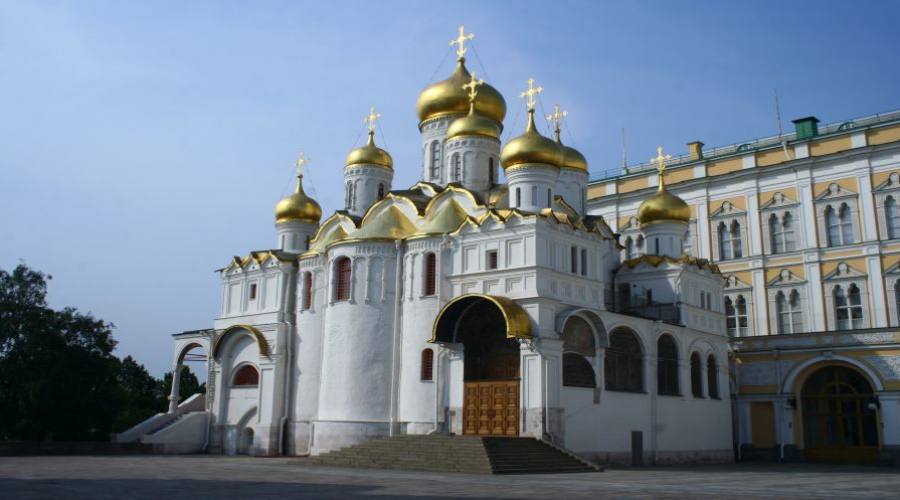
(463, 305)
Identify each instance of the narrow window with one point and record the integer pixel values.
(696, 376)
(730, 318)
(629, 248)
(573, 260)
(893, 217)
(549, 198)
(457, 167)
(491, 171)
(584, 262)
(252, 291)
(712, 377)
(623, 366)
(427, 368)
(342, 279)
(845, 218)
(492, 259)
(430, 270)
(848, 307)
(856, 317)
(666, 366)
(380, 190)
(737, 248)
(534, 196)
(639, 245)
(787, 232)
(897, 298)
(518, 197)
(724, 242)
(435, 160)
(834, 231)
(702, 300)
(742, 319)
(246, 376)
(307, 291)
(656, 245)
(777, 234)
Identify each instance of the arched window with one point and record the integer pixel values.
(623, 365)
(845, 219)
(534, 196)
(307, 291)
(696, 376)
(892, 217)
(736, 246)
(342, 278)
(549, 198)
(427, 367)
(348, 195)
(578, 347)
(353, 188)
(712, 377)
(518, 197)
(430, 271)
(840, 225)
(246, 375)
(736, 320)
(787, 232)
(790, 314)
(457, 167)
(435, 159)
(848, 307)
(491, 171)
(775, 232)
(666, 366)
(639, 245)
(380, 190)
(724, 242)
(629, 248)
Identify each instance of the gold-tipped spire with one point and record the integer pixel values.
(460, 42)
(298, 206)
(556, 118)
(531, 146)
(572, 158)
(663, 205)
(530, 95)
(472, 87)
(370, 154)
(473, 123)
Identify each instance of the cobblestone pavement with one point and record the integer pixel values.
(158, 477)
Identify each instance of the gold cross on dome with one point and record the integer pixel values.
(302, 160)
(370, 120)
(530, 95)
(556, 117)
(472, 86)
(660, 160)
(460, 41)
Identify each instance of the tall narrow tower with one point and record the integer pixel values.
(664, 217)
(297, 216)
(473, 147)
(368, 172)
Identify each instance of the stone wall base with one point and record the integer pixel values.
(663, 457)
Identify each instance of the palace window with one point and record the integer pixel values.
(736, 319)
(892, 215)
(457, 167)
(730, 246)
(666, 366)
(696, 376)
(578, 348)
(840, 225)
(307, 291)
(430, 271)
(342, 276)
(435, 159)
(790, 314)
(782, 233)
(712, 377)
(848, 307)
(427, 366)
(246, 376)
(252, 291)
(492, 259)
(624, 364)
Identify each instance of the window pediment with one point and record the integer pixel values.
(843, 272)
(891, 184)
(786, 278)
(779, 200)
(733, 283)
(835, 191)
(727, 210)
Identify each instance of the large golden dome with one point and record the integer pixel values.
(663, 206)
(572, 158)
(474, 124)
(448, 97)
(531, 147)
(298, 206)
(370, 154)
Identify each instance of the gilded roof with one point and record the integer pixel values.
(448, 97)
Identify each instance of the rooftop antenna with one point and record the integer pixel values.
(624, 157)
(780, 130)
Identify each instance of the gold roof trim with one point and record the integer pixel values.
(446, 219)
(260, 339)
(656, 260)
(390, 223)
(518, 323)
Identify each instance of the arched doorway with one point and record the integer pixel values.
(488, 329)
(840, 416)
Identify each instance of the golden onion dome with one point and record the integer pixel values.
(298, 206)
(370, 154)
(531, 147)
(572, 158)
(448, 97)
(474, 124)
(663, 206)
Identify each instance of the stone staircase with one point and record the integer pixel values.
(468, 454)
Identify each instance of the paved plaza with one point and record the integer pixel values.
(155, 477)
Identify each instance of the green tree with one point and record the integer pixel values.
(142, 395)
(188, 384)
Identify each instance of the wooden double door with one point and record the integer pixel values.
(491, 408)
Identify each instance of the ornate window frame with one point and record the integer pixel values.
(787, 282)
(734, 288)
(728, 214)
(835, 196)
(844, 276)
(887, 189)
(891, 281)
(631, 230)
(780, 205)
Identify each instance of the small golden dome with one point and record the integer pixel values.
(298, 206)
(663, 206)
(448, 97)
(572, 158)
(370, 154)
(474, 124)
(531, 147)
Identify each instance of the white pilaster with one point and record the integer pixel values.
(755, 232)
(867, 205)
(876, 285)
(759, 302)
(703, 236)
(816, 302)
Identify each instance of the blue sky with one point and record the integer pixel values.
(144, 143)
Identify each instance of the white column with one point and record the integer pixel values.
(174, 395)
(817, 310)
(890, 415)
(753, 229)
(876, 287)
(867, 207)
(761, 322)
(809, 212)
(703, 236)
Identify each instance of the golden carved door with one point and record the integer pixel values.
(491, 408)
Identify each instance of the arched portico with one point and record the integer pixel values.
(187, 350)
(489, 329)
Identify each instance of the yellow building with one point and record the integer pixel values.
(805, 227)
